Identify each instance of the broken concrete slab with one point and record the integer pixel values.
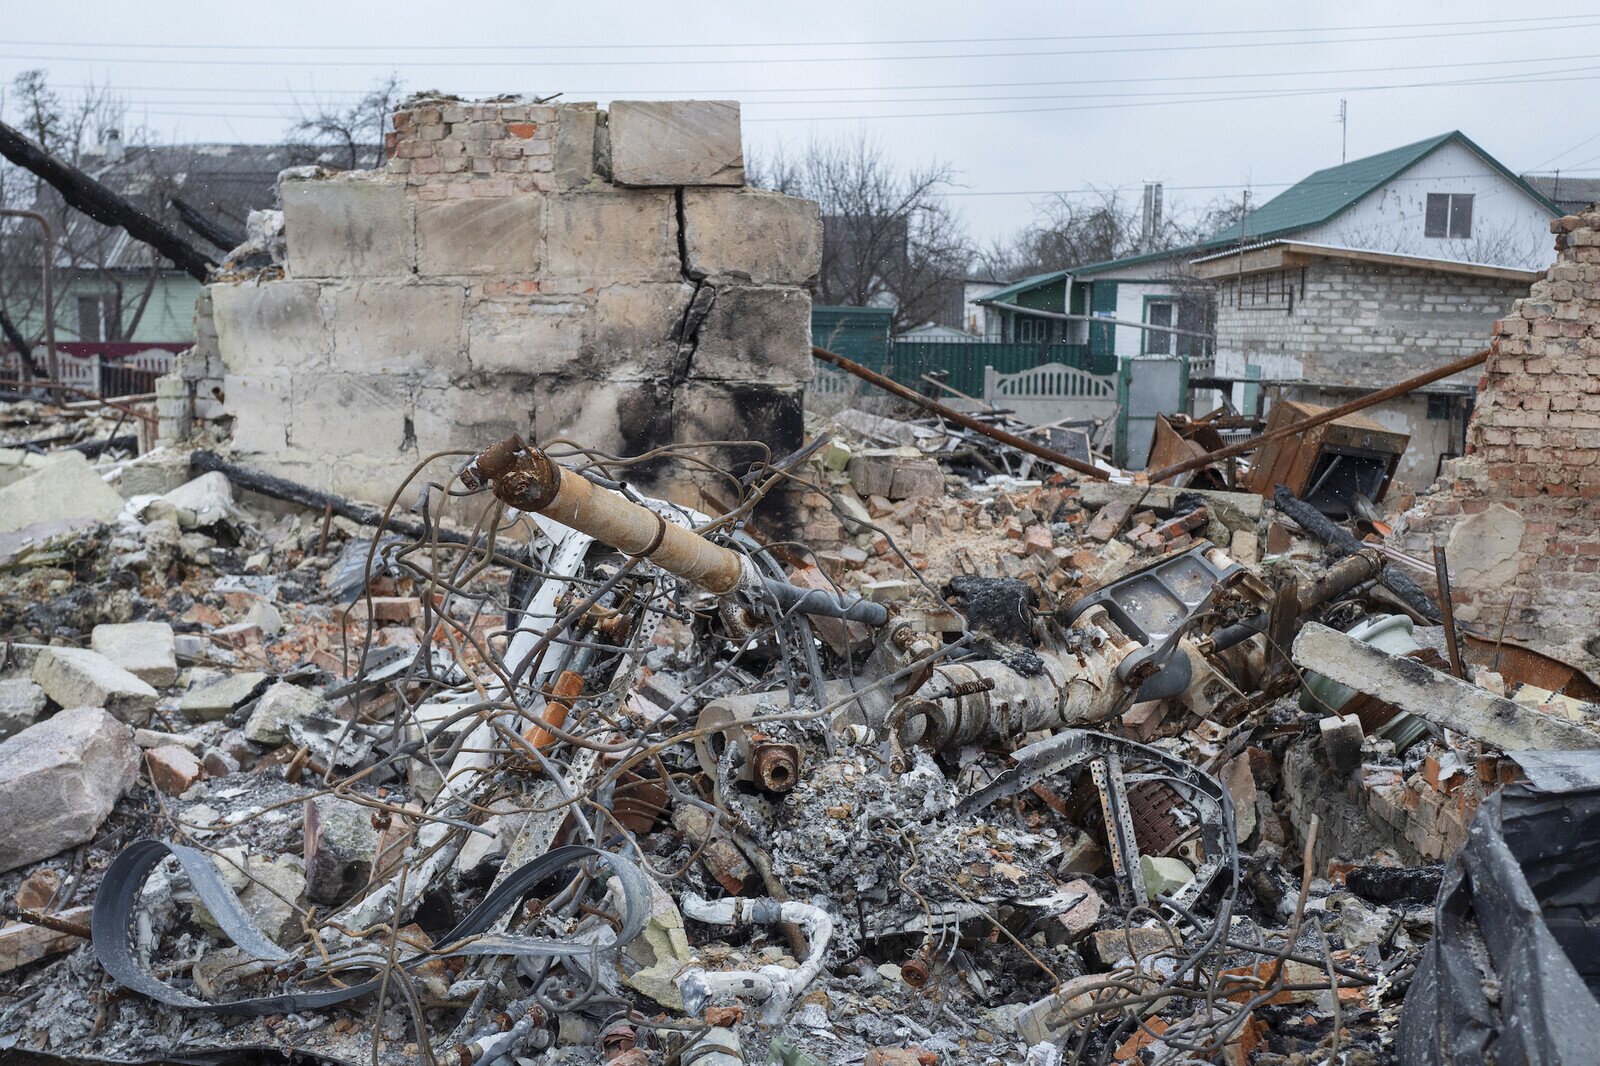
(214, 699)
(280, 707)
(66, 489)
(22, 702)
(1427, 693)
(80, 677)
(676, 142)
(59, 780)
(145, 649)
(340, 843)
(202, 502)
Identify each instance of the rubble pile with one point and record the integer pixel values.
(976, 767)
(920, 744)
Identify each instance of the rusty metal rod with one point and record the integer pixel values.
(1020, 443)
(1361, 403)
(1452, 640)
(46, 921)
(524, 477)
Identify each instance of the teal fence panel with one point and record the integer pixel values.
(858, 333)
(964, 361)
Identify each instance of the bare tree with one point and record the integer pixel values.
(91, 262)
(889, 239)
(1069, 231)
(357, 128)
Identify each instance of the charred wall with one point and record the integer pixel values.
(558, 271)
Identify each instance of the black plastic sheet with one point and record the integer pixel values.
(1512, 971)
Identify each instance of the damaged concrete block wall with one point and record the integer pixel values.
(1520, 516)
(549, 270)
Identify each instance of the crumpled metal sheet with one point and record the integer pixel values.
(1513, 969)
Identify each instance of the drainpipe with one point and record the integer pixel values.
(46, 273)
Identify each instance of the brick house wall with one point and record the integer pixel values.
(1340, 323)
(1520, 517)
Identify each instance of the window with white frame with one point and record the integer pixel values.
(1187, 314)
(1449, 214)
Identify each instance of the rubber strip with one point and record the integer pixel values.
(116, 909)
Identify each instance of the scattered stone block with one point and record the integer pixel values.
(79, 677)
(145, 649)
(280, 707)
(219, 763)
(64, 490)
(887, 591)
(203, 502)
(1245, 547)
(173, 769)
(1341, 739)
(894, 476)
(1111, 945)
(1164, 874)
(209, 702)
(38, 890)
(59, 780)
(676, 142)
(1076, 921)
(394, 608)
(340, 844)
(22, 702)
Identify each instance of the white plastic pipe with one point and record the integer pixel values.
(778, 986)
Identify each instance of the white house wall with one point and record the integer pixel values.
(1134, 283)
(1509, 228)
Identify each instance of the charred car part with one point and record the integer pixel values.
(1105, 756)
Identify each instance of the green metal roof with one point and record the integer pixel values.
(1329, 191)
(1002, 295)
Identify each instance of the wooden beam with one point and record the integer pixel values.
(85, 194)
(1436, 696)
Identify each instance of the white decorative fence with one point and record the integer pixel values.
(1053, 392)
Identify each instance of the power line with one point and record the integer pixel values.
(622, 93)
(1287, 94)
(1236, 97)
(619, 94)
(791, 60)
(611, 46)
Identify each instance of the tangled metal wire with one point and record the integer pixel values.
(523, 701)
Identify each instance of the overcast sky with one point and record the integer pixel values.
(1020, 99)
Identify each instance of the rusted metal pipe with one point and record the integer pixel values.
(1360, 403)
(46, 265)
(525, 478)
(994, 433)
(1452, 639)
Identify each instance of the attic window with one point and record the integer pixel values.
(1449, 214)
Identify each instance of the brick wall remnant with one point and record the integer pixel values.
(533, 268)
(1520, 516)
